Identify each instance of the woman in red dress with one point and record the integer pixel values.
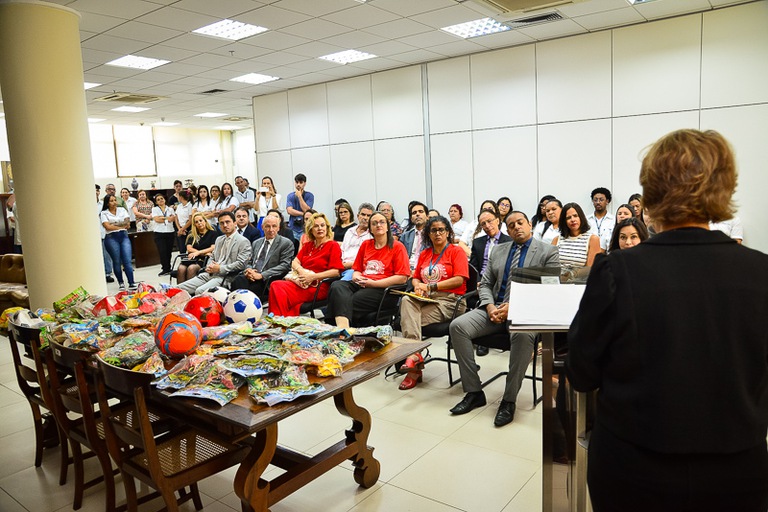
(318, 259)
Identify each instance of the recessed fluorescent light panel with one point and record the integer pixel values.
(130, 109)
(95, 119)
(136, 62)
(254, 78)
(90, 85)
(210, 114)
(347, 56)
(230, 29)
(164, 123)
(476, 28)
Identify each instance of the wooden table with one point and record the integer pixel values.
(243, 417)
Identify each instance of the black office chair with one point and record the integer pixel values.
(310, 307)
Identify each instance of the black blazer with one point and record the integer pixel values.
(478, 249)
(251, 233)
(673, 333)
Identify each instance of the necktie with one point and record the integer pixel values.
(487, 254)
(240, 231)
(513, 260)
(259, 264)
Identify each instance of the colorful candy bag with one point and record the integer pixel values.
(133, 349)
(254, 365)
(284, 387)
(153, 365)
(74, 297)
(214, 383)
(184, 371)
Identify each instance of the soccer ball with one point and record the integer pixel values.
(242, 305)
(178, 334)
(219, 293)
(206, 309)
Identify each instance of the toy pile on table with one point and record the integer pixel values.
(159, 331)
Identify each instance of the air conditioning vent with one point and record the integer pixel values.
(534, 20)
(235, 119)
(213, 91)
(505, 10)
(127, 97)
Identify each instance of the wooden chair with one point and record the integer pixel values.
(28, 379)
(82, 431)
(172, 461)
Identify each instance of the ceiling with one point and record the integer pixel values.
(399, 32)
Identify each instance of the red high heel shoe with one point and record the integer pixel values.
(411, 365)
(409, 382)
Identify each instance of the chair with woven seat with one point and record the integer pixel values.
(28, 379)
(171, 461)
(68, 401)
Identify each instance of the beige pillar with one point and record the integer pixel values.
(41, 76)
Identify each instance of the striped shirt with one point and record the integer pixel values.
(574, 250)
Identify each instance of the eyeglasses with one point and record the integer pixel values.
(438, 231)
(378, 223)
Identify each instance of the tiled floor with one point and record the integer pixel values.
(430, 461)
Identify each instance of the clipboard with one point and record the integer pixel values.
(415, 296)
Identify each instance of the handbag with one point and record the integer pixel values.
(293, 277)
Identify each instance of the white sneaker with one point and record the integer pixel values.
(121, 287)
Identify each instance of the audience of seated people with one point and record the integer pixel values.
(354, 238)
(601, 220)
(344, 221)
(576, 243)
(200, 244)
(547, 230)
(244, 226)
(413, 238)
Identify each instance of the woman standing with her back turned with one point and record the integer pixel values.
(672, 334)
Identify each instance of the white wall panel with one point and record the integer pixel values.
(270, 120)
(244, 155)
(308, 116)
(735, 55)
(656, 66)
(504, 87)
(449, 98)
(350, 114)
(315, 163)
(451, 170)
(574, 78)
(277, 165)
(745, 128)
(575, 158)
(505, 165)
(631, 138)
(353, 176)
(400, 172)
(397, 106)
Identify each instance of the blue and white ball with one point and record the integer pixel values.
(219, 293)
(241, 306)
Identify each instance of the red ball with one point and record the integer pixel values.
(206, 309)
(178, 334)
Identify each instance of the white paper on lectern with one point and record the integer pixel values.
(543, 304)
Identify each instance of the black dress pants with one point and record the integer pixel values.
(257, 287)
(349, 300)
(625, 477)
(164, 243)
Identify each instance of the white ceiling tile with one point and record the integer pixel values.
(315, 7)
(448, 16)
(428, 39)
(123, 9)
(276, 40)
(355, 39)
(665, 8)
(387, 48)
(316, 29)
(461, 47)
(86, 35)
(107, 43)
(552, 30)
(503, 39)
(160, 51)
(196, 42)
(93, 22)
(114, 71)
(312, 65)
(178, 19)
(280, 58)
(316, 49)
(416, 56)
(209, 60)
(608, 19)
(144, 32)
(591, 7)
(241, 51)
(226, 9)
(131, 84)
(361, 16)
(177, 68)
(399, 28)
(411, 7)
(272, 17)
(720, 3)
(376, 64)
(98, 57)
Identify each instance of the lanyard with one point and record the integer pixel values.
(432, 264)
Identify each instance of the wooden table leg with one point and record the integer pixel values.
(249, 487)
(367, 468)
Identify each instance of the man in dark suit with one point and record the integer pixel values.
(491, 315)
(244, 227)
(271, 259)
(411, 239)
(483, 246)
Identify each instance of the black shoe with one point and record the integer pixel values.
(164, 273)
(471, 401)
(505, 414)
(481, 350)
(110, 279)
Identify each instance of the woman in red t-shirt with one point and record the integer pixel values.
(440, 274)
(381, 262)
(318, 259)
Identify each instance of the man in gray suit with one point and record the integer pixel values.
(491, 315)
(271, 258)
(230, 255)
